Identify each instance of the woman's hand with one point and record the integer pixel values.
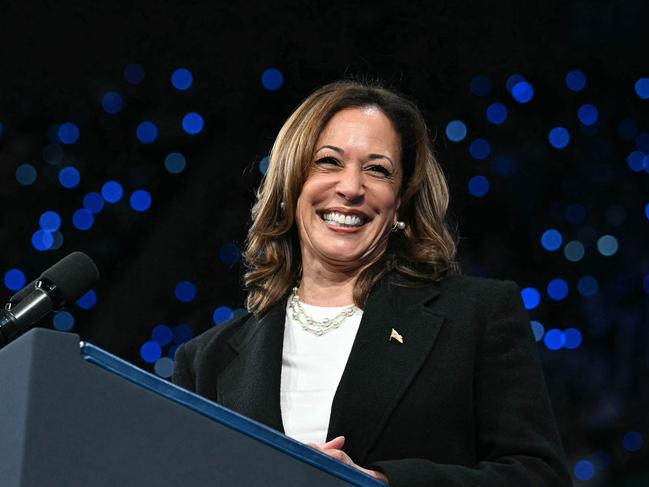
(334, 447)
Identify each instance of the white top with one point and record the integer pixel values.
(311, 370)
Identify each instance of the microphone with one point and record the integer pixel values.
(59, 285)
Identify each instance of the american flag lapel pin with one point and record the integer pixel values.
(395, 334)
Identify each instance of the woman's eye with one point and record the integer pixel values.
(328, 160)
(384, 171)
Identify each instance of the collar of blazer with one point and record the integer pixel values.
(377, 374)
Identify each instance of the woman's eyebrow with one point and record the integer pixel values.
(332, 147)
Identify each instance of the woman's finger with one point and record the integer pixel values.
(337, 443)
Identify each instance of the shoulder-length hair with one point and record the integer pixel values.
(423, 251)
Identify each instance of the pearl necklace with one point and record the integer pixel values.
(316, 327)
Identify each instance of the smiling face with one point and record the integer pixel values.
(349, 200)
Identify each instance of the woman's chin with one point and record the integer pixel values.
(348, 257)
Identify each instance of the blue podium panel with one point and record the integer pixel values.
(78, 416)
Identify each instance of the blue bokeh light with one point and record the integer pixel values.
(221, 315)
(263, 165)
(93, 202)
(185, 291)
(272, 79)
(229, 253)
(572, 338)
(50, 221)
(646, 211)
(538, 330)
(554, 339)
(164, 367)
(584, 470)
(42, 240)
(522, 92)
(112, 102)
(480, 85)
(112, 191)
(68, 133)
(58, 240)
(637, 161)
(551, 240)
(52, 154)
(607, 245)
(587, 286)
(134, 74)
(497, 113)
(574, 251)
(531, 298)
(63, 321)
(633, 441)
(193, 123)
(150, 352)
(575, 214)
(456, 131)
(588, 114)
(512, 80)
(175, 163)
(478, 186)
(181, 79)
(14, 279)
(557, 289)
(140, 200)
(642, 88)
(479, 149)
(26, 174)
(146, 132)
(88, 300)
(82, 219)
(559, 137)
(162, 334)
(182, 333)
(576, 80)
(69, 177)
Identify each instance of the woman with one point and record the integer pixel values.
(362, 339)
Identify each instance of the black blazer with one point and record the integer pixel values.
(461, 402)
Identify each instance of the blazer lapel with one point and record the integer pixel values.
(250, 384)
(379, 370)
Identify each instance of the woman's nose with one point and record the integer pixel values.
(350, 184)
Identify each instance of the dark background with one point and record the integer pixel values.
(58, 59)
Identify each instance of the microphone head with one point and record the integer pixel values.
(73, 275)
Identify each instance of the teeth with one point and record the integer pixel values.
(350, 220)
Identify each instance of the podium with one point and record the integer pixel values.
(73, 415)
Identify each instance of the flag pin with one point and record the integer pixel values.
(395, 334)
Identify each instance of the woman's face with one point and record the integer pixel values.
(349, 201)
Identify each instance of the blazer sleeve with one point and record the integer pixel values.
(183, 374)
(517, 439)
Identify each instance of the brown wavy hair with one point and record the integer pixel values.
(423, 252)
